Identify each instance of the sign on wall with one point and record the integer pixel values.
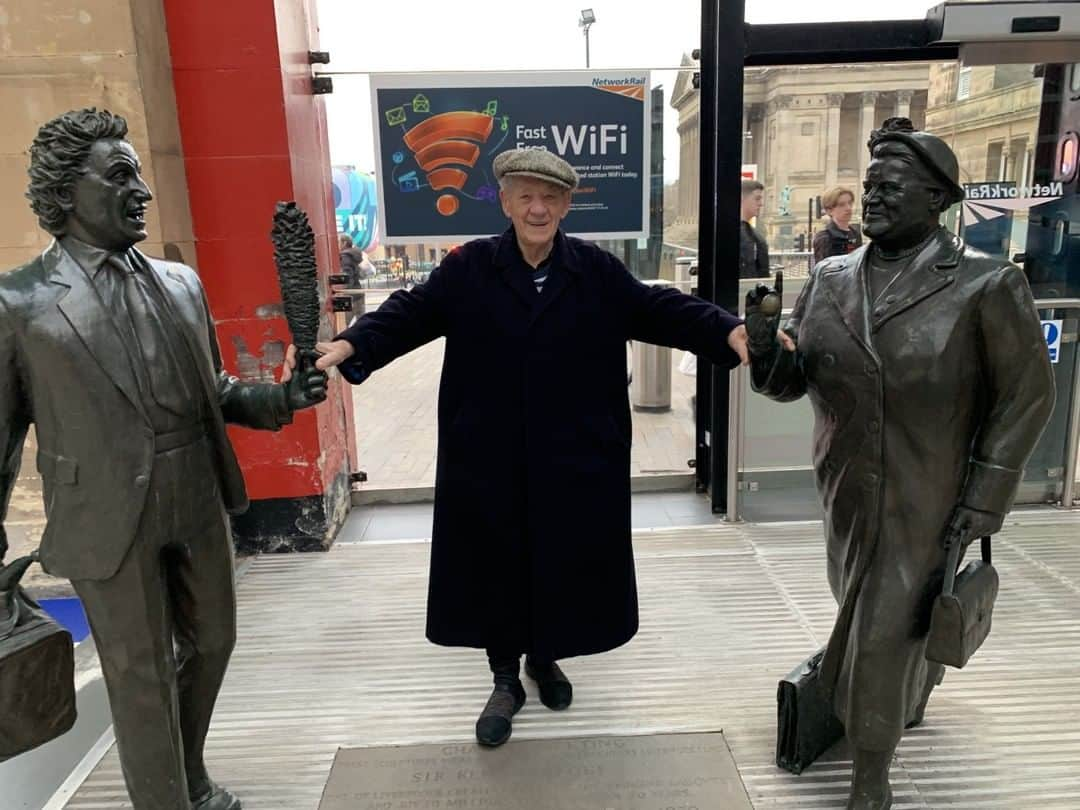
(355, 201)
(436, 138)
(1052, 333)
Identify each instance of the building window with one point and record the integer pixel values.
(963, 84)
(808, 128)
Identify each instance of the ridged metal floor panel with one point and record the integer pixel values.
(332, 653)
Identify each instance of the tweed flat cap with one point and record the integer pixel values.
(535, 163)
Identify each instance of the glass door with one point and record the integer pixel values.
(1014, 130)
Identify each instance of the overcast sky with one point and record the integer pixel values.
(436, 35)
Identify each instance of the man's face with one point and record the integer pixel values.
(841, 212)
(898, 200)
(752, 204)
(109, 200)
(536, 208)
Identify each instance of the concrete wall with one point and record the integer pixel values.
(57, 56)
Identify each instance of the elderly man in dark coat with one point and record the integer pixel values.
(531, 546)
(929, 377)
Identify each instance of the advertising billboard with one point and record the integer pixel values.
(437, 135)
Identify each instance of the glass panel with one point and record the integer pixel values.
(395, 409)
(806, 132)
(1011, 136)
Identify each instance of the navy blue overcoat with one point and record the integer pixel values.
(531, 543)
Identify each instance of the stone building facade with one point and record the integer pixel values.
(805, 130)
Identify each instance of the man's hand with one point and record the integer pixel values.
(333, 353)
(969, 524)
(737, 340)
(308, 386)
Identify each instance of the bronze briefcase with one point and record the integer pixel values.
(961, 618)
(37, 669)
(806, 724)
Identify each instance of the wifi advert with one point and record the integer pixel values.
(436, 138)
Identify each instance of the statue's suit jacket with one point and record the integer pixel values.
(65, 368)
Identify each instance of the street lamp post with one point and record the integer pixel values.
(586, 21)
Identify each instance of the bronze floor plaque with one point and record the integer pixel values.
(663, 772)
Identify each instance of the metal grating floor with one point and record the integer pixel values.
(332, 653)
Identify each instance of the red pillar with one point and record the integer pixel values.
(253, 134)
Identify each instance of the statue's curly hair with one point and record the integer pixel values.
(58, 159)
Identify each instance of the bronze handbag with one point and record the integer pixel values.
(37, 669)
(961, 618)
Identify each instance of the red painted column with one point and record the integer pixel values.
(253, 134)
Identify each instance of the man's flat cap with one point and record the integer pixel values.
(538, 163)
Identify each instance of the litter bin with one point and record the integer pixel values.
(650, 382)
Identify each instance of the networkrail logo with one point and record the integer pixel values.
(629, 86)
(986, 201)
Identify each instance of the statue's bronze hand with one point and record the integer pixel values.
(306, 385)
(763, 308)
(969, 524)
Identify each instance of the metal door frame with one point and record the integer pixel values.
(728, 45)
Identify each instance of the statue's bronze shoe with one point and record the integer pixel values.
(864, 802)
(215, 798)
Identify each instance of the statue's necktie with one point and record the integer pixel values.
(162, 373)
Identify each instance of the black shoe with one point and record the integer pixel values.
(496, 720)
(556, 691)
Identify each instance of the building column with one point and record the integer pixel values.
(253, 134)
(1024, 179)
(903, 103)
(780, 109)
(866, 125)
(757, 131)
(1003, 168)
(832, 149)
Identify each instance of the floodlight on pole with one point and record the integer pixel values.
(586, 21)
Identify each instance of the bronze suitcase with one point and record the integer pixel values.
(37, 669)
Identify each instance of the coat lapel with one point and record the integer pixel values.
(512, 270)
(82, 307)
(844, 283)
(560, 274)
(516, 273)
(930, 272)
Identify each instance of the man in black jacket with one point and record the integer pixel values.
(531, 547)
(753, 249)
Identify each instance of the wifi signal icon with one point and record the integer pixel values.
(442, 144)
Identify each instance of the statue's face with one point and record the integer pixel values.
(108, 203)
(899, 200)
